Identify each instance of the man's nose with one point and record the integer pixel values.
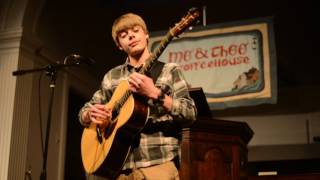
(131, 34)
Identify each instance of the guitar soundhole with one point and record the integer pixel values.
(110, 129)
(99, 135)
(115, 113)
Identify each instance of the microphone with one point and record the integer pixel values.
(86, 60)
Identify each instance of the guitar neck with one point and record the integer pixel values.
(192, 15)
(163, 44)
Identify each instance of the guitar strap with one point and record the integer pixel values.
(155, 70)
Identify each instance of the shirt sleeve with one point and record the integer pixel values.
(101, 96)
(183, 107)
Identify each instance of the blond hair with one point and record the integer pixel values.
(127, 21)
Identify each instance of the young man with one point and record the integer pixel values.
(155, 154)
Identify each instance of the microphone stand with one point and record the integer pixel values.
(51, 71)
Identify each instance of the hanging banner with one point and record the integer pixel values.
(235, 63)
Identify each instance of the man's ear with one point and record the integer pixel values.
(147, 37)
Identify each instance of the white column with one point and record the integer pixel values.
(9, 49)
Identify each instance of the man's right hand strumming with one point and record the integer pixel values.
(99, 115)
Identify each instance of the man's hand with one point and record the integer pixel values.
(143, 85)
(99, 114)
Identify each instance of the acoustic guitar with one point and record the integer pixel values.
(104, 150)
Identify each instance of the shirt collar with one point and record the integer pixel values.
(131, 68)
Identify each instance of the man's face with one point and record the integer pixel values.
(133, 40)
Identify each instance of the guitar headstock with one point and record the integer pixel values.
(185, 22)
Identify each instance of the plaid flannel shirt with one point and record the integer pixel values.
(155, 147)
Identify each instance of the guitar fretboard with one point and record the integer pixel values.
(149, 62)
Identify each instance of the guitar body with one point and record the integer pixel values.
(108, 156)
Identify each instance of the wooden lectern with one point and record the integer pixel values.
(214, 149)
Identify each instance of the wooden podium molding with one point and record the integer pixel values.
(215, 149)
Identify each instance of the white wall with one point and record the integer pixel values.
(282, 129)
(283, 136)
